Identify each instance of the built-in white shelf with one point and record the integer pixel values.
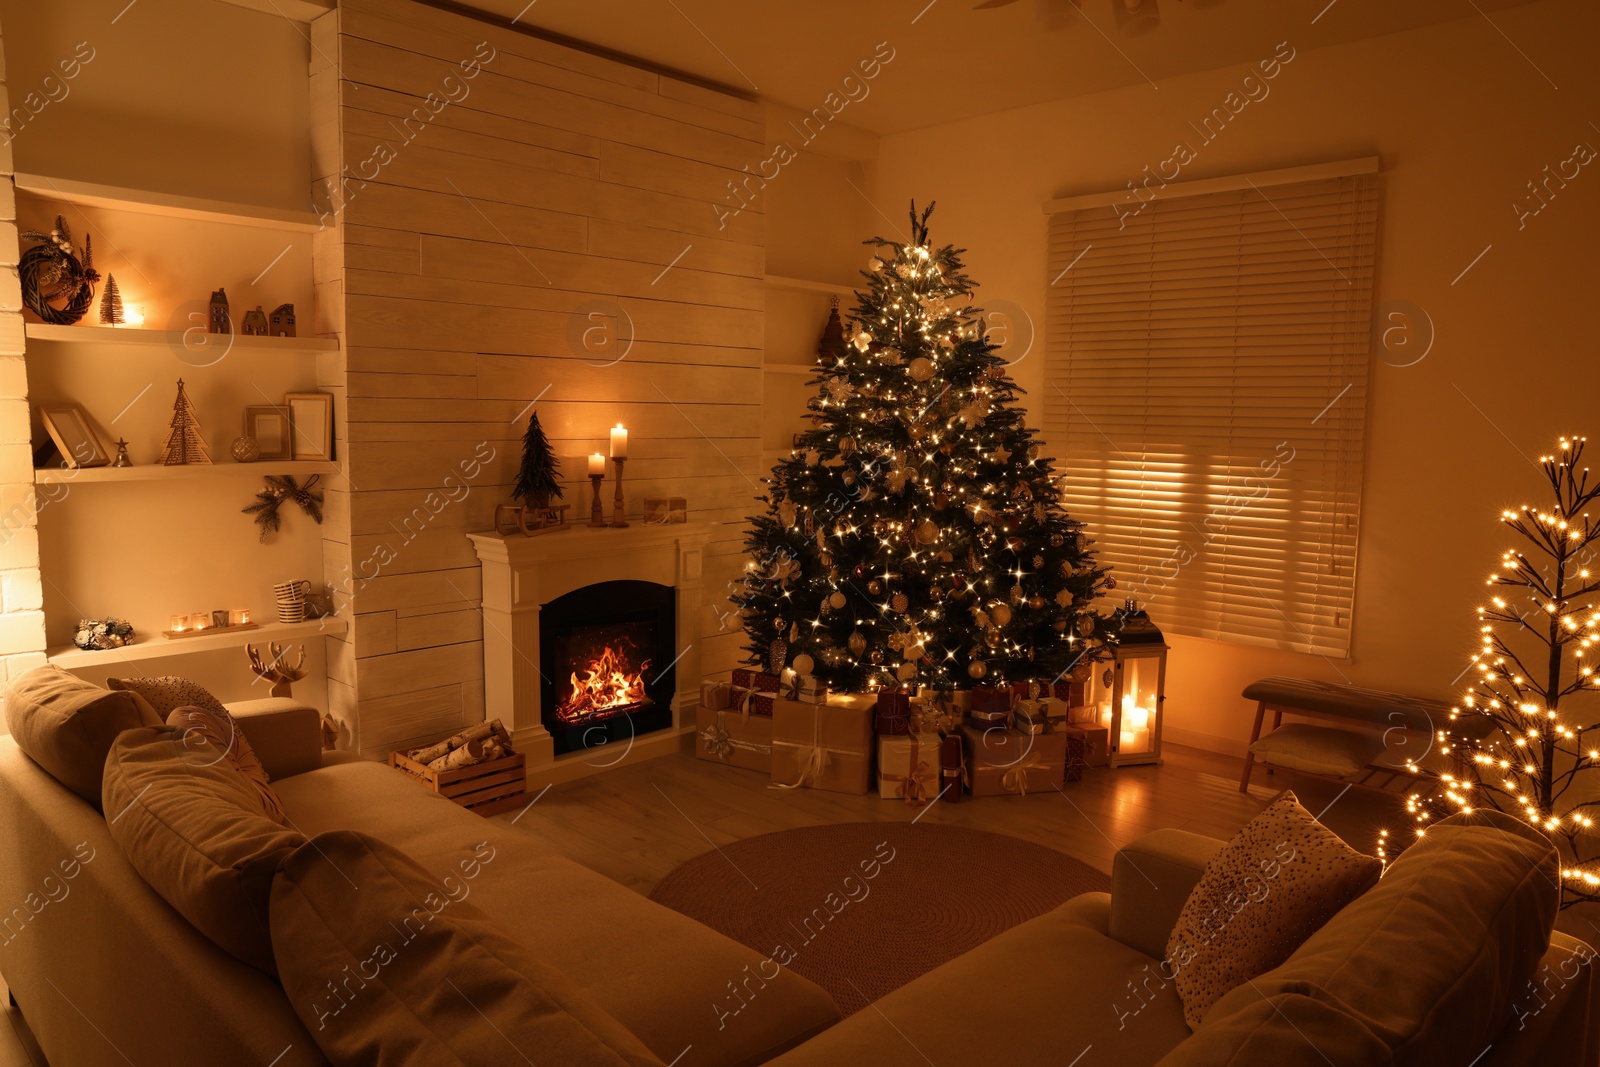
(776, 281)
(158, 472)
(200, 343)
(154, 646)
(294, 10)
(171, 205)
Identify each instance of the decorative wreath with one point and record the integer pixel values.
(57, 286)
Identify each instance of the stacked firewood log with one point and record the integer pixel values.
(478, 743)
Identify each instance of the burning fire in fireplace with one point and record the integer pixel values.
(608, 685)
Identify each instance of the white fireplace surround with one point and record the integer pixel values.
(521, 574)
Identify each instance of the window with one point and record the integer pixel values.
(1206, 385)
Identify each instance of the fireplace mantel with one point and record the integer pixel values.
(521, 574)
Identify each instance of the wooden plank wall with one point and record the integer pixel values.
(472, 240)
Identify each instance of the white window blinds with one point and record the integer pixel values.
(1207, 390)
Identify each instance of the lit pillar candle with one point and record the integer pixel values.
(619, 442)
(597, 465)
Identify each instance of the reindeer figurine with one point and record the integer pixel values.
(280, 673)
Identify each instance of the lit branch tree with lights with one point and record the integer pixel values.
(1517, 732)
(915, 534)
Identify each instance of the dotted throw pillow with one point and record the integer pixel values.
(222, 735)
(1274, 885)
(168, 693)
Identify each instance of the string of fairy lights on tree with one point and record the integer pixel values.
(915, 533)
(1519, 731)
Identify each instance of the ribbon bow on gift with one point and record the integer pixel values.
(1015, 780)
(717, 740)
(812, 763)
(912, 789)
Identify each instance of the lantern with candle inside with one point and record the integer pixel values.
(1130, 692)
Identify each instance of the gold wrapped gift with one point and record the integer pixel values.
(908, 767)
(1003, 761)
(821, 746)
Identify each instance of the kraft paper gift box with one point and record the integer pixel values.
(867, 702)
(821, 746)
(908, 767)
(1081, 713)
(716, 696)
(806, 688)
(1097, 743)
(722, 735)
(1045, 715)
(1004, 762)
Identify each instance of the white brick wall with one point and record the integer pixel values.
(21, 593)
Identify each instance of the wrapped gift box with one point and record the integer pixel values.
(892, 715)
(908, 767)
(952, 764)
(1097, 741)
(1079, 713)
(806, 688)
(749, 702)
(867, 702)
(1002, 762)
(758, 681)
(988, 698)
(821, 746)
(1072, 694)
(1042, 716)
(1077, 751)
(724, 736)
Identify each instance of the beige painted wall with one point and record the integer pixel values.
(1462, 121)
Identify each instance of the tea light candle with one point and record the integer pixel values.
(619, 442)
(597, 464)
(239, 617)
(179, 623)
(200, 620)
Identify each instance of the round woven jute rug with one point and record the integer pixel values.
(863, 908)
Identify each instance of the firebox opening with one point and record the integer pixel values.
(606, 663)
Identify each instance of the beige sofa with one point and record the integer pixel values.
(106, 973)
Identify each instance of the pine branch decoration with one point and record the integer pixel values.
(270, 500)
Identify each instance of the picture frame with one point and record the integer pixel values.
(311, 418)
(69, 427)
(273, 428)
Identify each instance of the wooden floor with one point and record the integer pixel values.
(634, 824)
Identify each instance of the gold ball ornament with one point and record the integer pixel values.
(921, 369)
(1035, 602)
(991, 638)
(977, 668)
(837, 600)
(1059, 624)
(1001, 614)
(874, 587)
(876, 656)
(803, 664)
(927, 532)
(857, 643)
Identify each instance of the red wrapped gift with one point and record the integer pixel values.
(951, 760)
(757, 681)
(990, 698)
(1077, 753)
(1073, 694)
(892, 716)
(748, 702)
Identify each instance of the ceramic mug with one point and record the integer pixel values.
(291, 597)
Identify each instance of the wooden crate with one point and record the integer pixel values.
(486, 788)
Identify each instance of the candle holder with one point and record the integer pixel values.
(597, 514)
(617, 517)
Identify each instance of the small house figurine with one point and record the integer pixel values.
(254, 323)
(282, 323)
(220, 321)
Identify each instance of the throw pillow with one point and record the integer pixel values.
(1261, 896)
(192, 827)
(221, 733)
(168, 693)
(67, 725)
(1442, 957)
(385, 964)
(1319, 749)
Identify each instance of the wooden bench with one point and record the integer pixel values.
(1346, 704)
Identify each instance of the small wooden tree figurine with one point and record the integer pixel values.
(538, 478)
(111, 303)
(183, 443)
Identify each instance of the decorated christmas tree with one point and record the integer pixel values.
(1519, 732)
(538, 479)
(183, 443)
(914, 535)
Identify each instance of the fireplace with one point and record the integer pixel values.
(606, 663)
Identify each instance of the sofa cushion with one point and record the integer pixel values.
(168, 692)
(193, 829)
(1431, 957)
(661, 974)
(1262, 894)
(418, 974)
(222, 734)
(66, 725)
(1327, 750)
(1285, 1030)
